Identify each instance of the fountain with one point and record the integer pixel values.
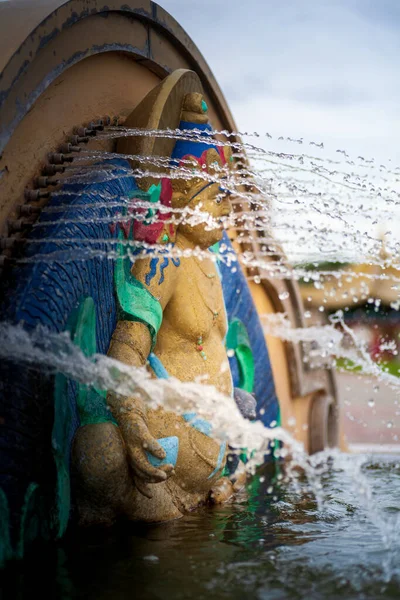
(105, 135)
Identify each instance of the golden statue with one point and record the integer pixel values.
(121, 470)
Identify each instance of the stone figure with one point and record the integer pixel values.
(172, 318)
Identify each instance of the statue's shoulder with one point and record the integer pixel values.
(158, 273)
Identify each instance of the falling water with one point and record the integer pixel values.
(316, 217)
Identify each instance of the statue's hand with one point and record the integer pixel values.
(130, 414)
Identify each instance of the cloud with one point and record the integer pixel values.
(322, 70)
(325, 69)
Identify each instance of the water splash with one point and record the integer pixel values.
(319, 219)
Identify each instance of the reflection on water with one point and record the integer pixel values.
(271, 542)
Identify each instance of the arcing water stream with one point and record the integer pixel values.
(323, 526)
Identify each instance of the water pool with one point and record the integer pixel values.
(267, 544)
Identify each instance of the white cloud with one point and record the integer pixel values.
(324, 70)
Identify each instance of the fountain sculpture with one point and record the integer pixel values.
(176, 310)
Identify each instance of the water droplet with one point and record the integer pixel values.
(151, 558)
(371, 402)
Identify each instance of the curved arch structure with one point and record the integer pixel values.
(64, 64)
(54, 36)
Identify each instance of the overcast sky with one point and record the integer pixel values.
(326, 70)
(322, 70)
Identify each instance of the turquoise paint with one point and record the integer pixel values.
(59, 441)
(171, 447)
(135, 303)
(30, 519)
(220, 458)
(154, 193)
(237, 340)
(91, 403)
(158, 368)
(200, 424)
(5, 541)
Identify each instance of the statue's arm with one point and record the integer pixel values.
(131, 344)
(133, 338)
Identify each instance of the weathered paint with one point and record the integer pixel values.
(30, 44)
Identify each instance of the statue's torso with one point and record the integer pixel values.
(195, 318)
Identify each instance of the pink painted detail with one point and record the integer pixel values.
(123, 225)
(151, 233)
(166, 191)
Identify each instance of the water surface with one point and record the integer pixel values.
(271, 542)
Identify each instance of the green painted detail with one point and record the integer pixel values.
(135, 303)
(84, 328)
(60, 436)
(150, 213)
(5, 540)
(165, 238)
(237, 340)
(93, 407)
(30, 526)
(153, 196)
(63, 423)
(279, 418)
(215, 248)
(153, 193)
(204, 106)
(245, 456)
(91, 403)
(63, 419)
